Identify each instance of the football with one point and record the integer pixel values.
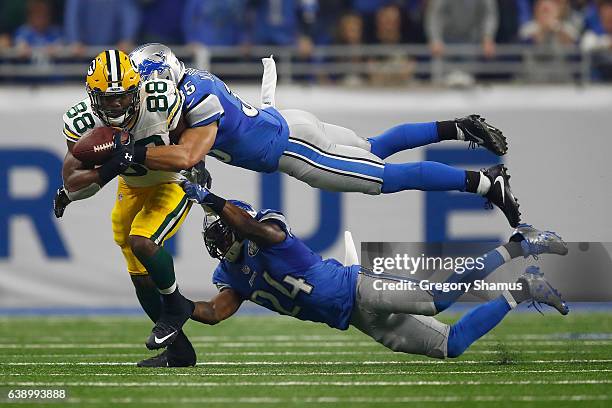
(97, 146)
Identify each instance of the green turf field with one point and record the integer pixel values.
(530, 360)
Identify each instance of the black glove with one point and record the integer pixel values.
(199, 175)
(60, 202)
(121, 159)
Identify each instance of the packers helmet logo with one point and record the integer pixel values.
(92, 68)
(112, 71)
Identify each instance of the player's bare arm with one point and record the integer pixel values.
(219, 308)
(82, 181)
(265, 233)
(193, 145)
(76, 174)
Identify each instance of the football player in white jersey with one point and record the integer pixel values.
(150, 205)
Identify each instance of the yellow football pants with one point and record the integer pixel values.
(155, 212)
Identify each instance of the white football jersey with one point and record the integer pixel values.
(159, 113)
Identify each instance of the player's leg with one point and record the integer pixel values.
(482, 319)
(129, 201)
(162, 214)
(314, 157)
(471, 128)
(525, 241)
(426, 335)
(380, 293)
(405, 333)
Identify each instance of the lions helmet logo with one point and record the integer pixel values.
(252, 249)
(155, 63)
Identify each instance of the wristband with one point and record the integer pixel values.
(140, 154)
(214, 202)
(106, 174)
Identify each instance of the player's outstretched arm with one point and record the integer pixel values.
(193, 145)
(219, 308)
(262, 233)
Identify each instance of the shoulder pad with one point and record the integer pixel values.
(78, 120)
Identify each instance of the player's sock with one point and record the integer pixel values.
(490, 262)
(161, 269)
(150, 300)
(448, 130)
(475, 324)
(406, 136)
(425, 176)
(477, 182)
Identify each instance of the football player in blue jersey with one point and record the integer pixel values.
(323, 155)
(262, 261)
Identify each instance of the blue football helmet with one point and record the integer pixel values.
(220, 240)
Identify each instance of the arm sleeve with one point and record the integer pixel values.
(220, 278)
(434, 20)
(203, 110)
(491, 19)
(274, 216)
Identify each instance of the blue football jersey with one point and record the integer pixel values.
(247, 137)
(291, 279)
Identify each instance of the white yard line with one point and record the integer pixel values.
(274, 363)
(296, 383)
(315, 373)
(287, 353)
(564, 336)
(306, 344)
(339, 400)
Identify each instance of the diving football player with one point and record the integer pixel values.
(323, 155)
(150, 206)
(262, 261)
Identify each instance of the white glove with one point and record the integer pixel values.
(268, 83)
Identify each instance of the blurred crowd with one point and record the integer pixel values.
(45, 25)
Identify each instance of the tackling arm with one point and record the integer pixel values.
(264, 233)
(219, 308)
(193, 145)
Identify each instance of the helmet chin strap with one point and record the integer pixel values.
(233, 253)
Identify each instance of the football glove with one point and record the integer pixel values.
(60, 202)
(195, 192)
(199, 175)
(121, 159)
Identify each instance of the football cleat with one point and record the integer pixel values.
(500, 194)
(541, 291)
(170, 323)
(535, 242)
(178, 354)
(479, 133)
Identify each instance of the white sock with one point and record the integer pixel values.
(509, 298)
(460, 135)
(484, 185)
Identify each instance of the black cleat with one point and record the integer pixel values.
(501, 195)
(178, 354)
(170, 323)
(478, 132)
